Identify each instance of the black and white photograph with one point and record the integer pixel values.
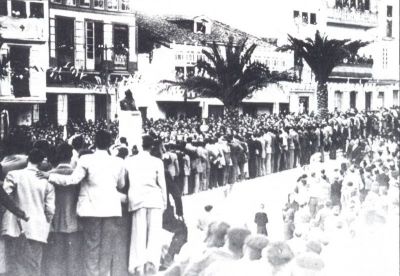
(199, 138)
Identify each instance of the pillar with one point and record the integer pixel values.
(62, 109)
(276, 108)
(204, 109)
(90, 107)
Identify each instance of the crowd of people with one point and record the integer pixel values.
(338, 220)
(82, 206)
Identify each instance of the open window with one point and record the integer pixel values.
(296, 14)
(3, 7)
(19, 63)
(121, 46)
(18, 9)
(84, 3)
(313, 18)
(36, 10)
(304, 17)
(112, 5)
(99, 4)
(124, 5)
(64, 41)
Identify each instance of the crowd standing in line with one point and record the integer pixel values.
(91, 211)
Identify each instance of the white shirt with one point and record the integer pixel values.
(147, 188)
(100, 174)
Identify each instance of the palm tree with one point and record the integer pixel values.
(323, 55)
(229, 78)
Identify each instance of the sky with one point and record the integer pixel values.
(245, 15)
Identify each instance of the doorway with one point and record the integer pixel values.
(368, 100)
(304, 104)
(353, 99)
(76, 107)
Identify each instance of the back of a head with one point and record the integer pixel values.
(78, 142)
(64, 153)
(36, 156)
(279, 253)
(236, 238)
(102, 140)
(147, 142)
(42, 145)
(256, 243)
(216, 233)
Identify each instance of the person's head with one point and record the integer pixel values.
(36, 156)
(314, 246)
(279, 253)
(147, 142)
(102, 140)
(122, 152)
(208, 208)
(42, 145)
(235, 240)
(64, 153)
(216, 234)
(253, 246)
(78, 142)
(128, 94)
(262, 206)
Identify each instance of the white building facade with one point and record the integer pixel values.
(24, 59)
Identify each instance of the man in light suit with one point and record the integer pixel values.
(99, 202)
(268, 151)
(147, 199)
(36, 196)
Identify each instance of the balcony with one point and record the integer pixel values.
(345, 16)
(27, 29)
(354, 68)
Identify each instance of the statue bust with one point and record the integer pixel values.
(128, 103)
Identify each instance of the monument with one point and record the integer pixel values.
(130, 121)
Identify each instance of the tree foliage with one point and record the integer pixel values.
(230, 77)
(323, 54)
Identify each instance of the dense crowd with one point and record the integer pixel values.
(340, 220)
(102, 224)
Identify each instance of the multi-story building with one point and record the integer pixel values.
(369, 80)
(92, 45)
(169, 48)
(23, 59)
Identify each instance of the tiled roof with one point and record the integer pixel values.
(176, 29)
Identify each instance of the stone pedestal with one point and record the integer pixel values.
(130, 127)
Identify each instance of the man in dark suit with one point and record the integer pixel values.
(62, 255)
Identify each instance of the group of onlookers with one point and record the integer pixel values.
(84, 206)
(340, 219)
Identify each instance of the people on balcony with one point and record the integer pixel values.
(357, 60)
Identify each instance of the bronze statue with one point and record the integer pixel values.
(128, 103)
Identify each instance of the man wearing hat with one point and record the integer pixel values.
(147, 198)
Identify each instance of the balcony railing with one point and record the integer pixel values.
(354, 69)
(347, 16)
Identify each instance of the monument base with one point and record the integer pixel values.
(130, 127)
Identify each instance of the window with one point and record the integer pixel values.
(36, 10)
(396, 97)
(389, 11)
(389, 28)
(304, 17)
(89, 40)
(56, 1)
(190, 71)
(19, 61)
(296, 14)
(384, 58)
(179, 56)
(338, 100)
(98, 4)
(70, 2)
(121, 46)
(64, 40)
(200, 27)
(353, 4)
(84, 3)
(18, 9)
(381, 99)
(3, 7)
(124, 5)
(112, 4)
(366, 5)
(179, 73)
(313, 18)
